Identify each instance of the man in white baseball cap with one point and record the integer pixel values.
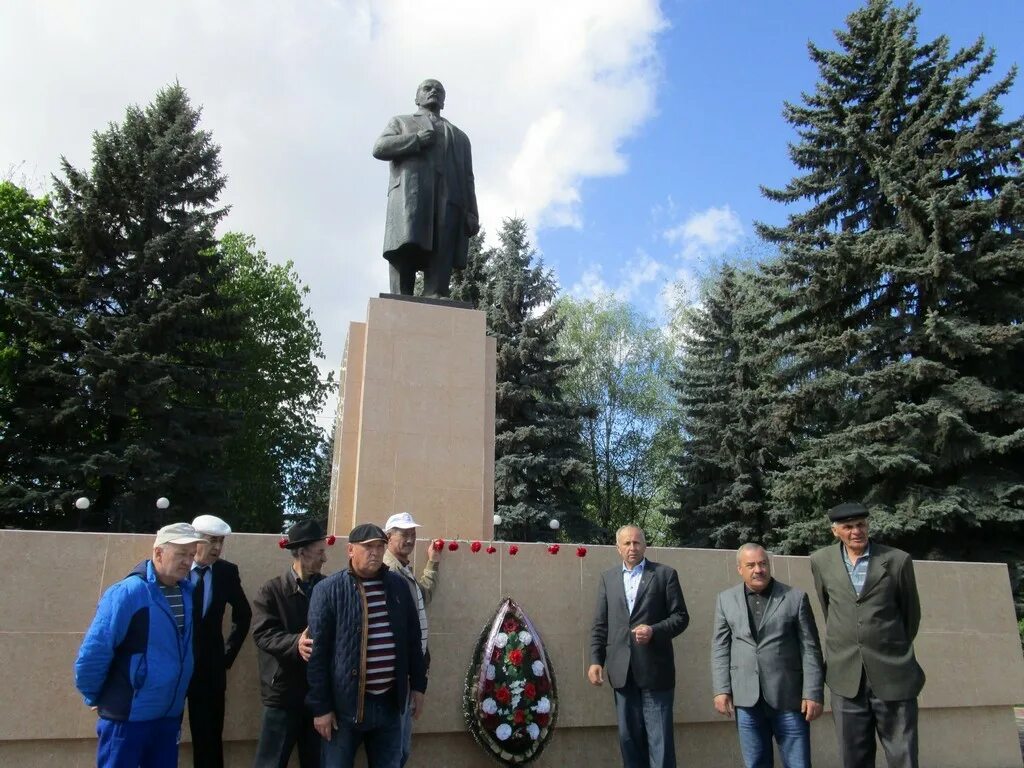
(401, 531)
(216, 585)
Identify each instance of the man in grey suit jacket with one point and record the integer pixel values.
(766, 663)
(640, 608)
(431, 195)
(872, 613)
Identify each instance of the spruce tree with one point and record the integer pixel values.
(725, 393)
(901, 293)
(153, 331)
(537, 462)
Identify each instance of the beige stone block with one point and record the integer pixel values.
(124, 552)
(427, 505)
(66, 753)
(422, 358)
(447, 681)
(997, 668)
(374, 502)
(987, 597)
(376, 408)
(546, 586)
(419, 410)
(469, 591)
(379, 355)
(81, 556)
(38, 699)
(466, 364)
(381, 454)
(936, 587)
(947, 682)
(470, 324)
(466, 411)
(463, 518)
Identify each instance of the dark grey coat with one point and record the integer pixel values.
(875, 631)
(783, 665)
(659, 603)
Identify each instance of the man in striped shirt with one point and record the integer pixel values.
(367, 660)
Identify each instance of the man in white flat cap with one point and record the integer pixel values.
(216, 585)
(135, 660)
(401, 531)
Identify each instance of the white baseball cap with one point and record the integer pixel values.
(400, 520)
(211, 526)
(177, 533)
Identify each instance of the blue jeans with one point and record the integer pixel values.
(380, 732)
(143, 744)
(644, 716)
(756, 726)
(283, 730)
(406, 732)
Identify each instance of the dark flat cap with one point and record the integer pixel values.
(366, 532)
(304, 532)
(848, 510)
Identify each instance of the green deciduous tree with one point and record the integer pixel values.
(901, 290)
(620, 383)
(276, 453)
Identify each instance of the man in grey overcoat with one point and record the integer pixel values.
(766, 665)
(431, 195)
(868, 594)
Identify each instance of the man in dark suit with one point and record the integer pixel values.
(766, 663)
(872, 613)
(431, 195)
(216, 585)
(640, 609)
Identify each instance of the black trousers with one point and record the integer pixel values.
(206, 722)
(282, 731)
(858, 719)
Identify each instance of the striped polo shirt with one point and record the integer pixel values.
(380, 642)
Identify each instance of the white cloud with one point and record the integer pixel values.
(632, 279)
(296, 94)
(706, 233)
(591, 284)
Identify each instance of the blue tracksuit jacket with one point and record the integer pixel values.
(134, 664)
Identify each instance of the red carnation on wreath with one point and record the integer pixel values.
(530, 691)
(502, 695)
(510, 625)
(496, 654)
(542, 684)
(541, 719)
(515, 656)
(519, 717)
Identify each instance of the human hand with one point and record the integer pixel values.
(305, 644)
(433, 553)
(642, 634)
(595, 674)
(325, 725)
(811, 709)
(723, 704)
(425, 137)
(417, 702)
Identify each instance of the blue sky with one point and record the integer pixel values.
(718, 133)
(631, 134)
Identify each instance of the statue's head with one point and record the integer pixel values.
(430, 95)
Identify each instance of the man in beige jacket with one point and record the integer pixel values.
(401, 532)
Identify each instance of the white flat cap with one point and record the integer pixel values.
(177, 533)
(211, 526)
(400, 520)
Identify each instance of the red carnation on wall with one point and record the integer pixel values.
(581, 551)
(491, 549)
(553, 549)
(513, 549)
(475, 546)
(453, 546)
(331, 539)
(283, 543)
(438, 545)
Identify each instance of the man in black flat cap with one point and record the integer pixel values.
(281, 634)
(367, 660)
(872, 613)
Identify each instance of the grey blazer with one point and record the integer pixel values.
(783, 665)
(875, 631)
(659, 603)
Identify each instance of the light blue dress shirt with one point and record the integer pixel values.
(631, 582)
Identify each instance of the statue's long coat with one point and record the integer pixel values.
(418, 188)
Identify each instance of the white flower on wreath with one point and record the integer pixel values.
(525, 637)
(517, 686)
(489, 674)
(538, 668)
(501, 640)
(503, 731)
(489, 706)
(543, 706)
(515, 700)
(533, 730)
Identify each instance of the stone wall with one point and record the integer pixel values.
(968, 646)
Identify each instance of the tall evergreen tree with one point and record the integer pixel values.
(468, 283)
(725, 392)
(150, 330)
(901, 293)
(537, 462)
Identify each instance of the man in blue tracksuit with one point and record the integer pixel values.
(135, 661)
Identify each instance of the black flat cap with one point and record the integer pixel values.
(848, 510)
(366, 532)
(304, 532)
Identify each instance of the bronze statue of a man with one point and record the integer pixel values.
(431, 198)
